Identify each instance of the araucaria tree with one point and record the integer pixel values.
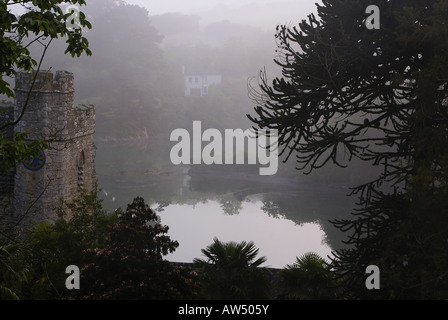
(378, 95)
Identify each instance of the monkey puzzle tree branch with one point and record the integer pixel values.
(380, 96)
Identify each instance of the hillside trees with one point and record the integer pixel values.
(123, 75)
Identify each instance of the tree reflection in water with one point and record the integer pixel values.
(285, 214)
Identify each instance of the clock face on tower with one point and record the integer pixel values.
(35, 163)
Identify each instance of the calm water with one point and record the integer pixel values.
(283, 216)
(279, 239)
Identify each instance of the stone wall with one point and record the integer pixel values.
(70, 159)
(6, 116)
(6, 180)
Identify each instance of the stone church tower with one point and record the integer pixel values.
(69, 163)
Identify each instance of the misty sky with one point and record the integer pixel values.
(194, 6)
(260, 13)
(184, 6)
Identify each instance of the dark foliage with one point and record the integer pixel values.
(379, 96)
(130, 265)
(231, 271)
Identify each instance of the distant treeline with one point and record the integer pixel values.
(134, 76)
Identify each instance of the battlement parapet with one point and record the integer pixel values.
(51, 113)
(87, 109)
(84, 119)
(46, 82)
(47, 112)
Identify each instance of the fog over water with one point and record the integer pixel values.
(144, 58)
(304, 136)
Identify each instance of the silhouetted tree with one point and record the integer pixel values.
(13, 273)
(130, 264)
(309, 278)
(231, 271)
(49, 248)
(379, 96)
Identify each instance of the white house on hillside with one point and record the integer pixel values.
(198, 85)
